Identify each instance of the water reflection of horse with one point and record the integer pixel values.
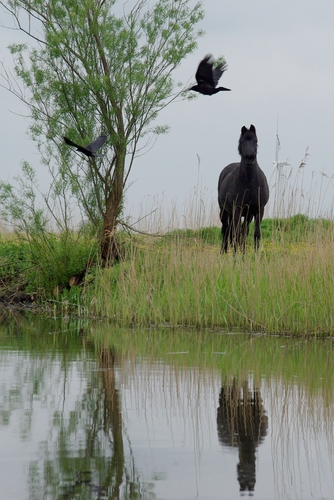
(242, 423)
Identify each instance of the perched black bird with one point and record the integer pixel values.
(207, 77)
(91, 149)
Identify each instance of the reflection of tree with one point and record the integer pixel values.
(241, 422)
(100, 469)
(84, 454)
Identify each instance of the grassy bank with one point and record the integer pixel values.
(181, 279)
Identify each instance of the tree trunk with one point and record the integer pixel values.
(108, 244)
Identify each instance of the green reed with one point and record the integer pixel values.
(287, 287)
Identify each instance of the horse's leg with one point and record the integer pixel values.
(257, 229)
(244, 231)
(225, 219)
(235, 228)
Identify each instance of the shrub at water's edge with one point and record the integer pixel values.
(37, 267)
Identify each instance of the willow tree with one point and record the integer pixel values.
(98, 67)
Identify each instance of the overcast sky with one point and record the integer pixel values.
(280, 57)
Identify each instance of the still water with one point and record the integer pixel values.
(92, 412)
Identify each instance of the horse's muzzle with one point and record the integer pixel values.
(250, 159)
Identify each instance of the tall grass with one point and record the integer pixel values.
(181, 279)
(297, 190)
(157, 215)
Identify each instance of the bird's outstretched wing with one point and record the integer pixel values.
(97, 144)
(91, 149)
(204, 75)
(216, 74)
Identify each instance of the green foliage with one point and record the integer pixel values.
(43, 262)
(13, 257)
(55, 259)
(18, 204)
(100, 67)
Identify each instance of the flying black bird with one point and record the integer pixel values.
(207, 76)
(91, 149)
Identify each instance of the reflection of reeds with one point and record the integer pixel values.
(302, 438)
(176, 404)
(307, 362)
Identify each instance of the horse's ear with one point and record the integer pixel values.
(243, 130)
(252, 128)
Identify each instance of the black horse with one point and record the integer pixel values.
(242, 193)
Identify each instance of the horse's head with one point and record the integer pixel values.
(248, 144)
